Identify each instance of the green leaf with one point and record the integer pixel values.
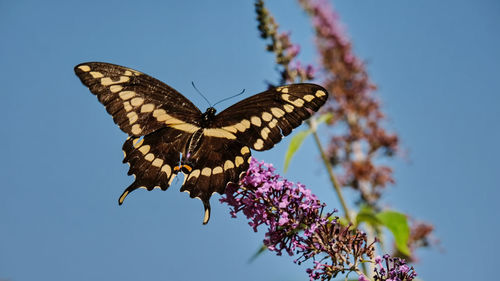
(299, 138)
(397, 223)
(367, 214)
(295, 143)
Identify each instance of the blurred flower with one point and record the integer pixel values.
(291, 69)
(358, 138)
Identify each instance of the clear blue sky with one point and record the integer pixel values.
(437, 65)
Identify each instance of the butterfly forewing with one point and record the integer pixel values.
(139, 103)
(261, 121)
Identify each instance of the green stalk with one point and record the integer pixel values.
(329, 168)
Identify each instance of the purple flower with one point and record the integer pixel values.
(293, 50)
(290, 212)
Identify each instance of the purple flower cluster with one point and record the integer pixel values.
(296, 224)
(290, 211)
(394, 269)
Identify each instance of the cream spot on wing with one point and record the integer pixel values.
(106, 81)
(240, 127)
(308, 97)
(96, 74)
(136, 129)
(219, 133)
(137, 101)
(186, 127)
(206, 172)
(273, 123)
(138, 142)
(320, 93)
(288, 108)
(127, 106)
(228, 165)
(126, 95)
(238, 161)
(144, 149)
(217, 170)
(171, 178)
(132, 117)
(161, 115)
(259, 144)
(194, 174)
(245, 123)
(162, 118)
(231, 129)
(149, 107)
(266, 116)
(115, 88)
(206, 216)
(157, 163)
(166, 169)
(265, 132)
(244, 150)
(85, 68)
(159, 112)
(278, 113)
(131, 71)
(256, 121)
(297, 102)
(283, 89)
(124, 193)
(124, 154)
(149, 157)
(128, 73)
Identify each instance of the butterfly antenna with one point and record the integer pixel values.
(230, 97)
(194, 86)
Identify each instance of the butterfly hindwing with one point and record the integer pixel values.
(262, 120)
(139, 103)
(213, 165)
(153, 159)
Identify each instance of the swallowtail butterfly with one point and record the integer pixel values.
(163, 125)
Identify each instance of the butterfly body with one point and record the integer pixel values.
(164, 126)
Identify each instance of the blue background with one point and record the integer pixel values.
(437, 67)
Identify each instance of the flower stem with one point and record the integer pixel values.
(329, 168)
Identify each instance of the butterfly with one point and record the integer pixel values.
(168, 134)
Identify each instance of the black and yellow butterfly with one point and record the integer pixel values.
(163, 125)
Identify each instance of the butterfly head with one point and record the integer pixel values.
(208, 116)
